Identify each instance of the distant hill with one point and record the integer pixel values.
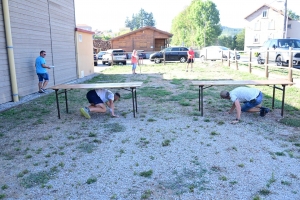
(227, 31)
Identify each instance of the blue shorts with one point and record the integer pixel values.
(251, 104)
(43, 76)
(93, 97)
(134, 66)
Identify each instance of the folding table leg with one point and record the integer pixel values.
(133, 106)
(66, 99)
(57, 104)
(201, 100)
(282, 101)
(273, 97)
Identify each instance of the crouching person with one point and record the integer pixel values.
(99, 99)
(251, 99)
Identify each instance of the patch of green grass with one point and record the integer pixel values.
(38, 178)
(154, 92)
(21, 174)
(206, 120)
(87, 147)
(271, 180)
(1, 135)
(177, 81)
(184, 103)
(91, 180)
(28, 156)
(264, 192)
(4, 187)
(241, 165)
(280, 153)
(214, 133)
(146, 194)
(297, 144)
(294, 122)
(151, 120)
(286, 183)
(146, 174)
(223, 178)
(92, 134)
(166, 143)
(2, 196)
(143, 142)
(114, 127)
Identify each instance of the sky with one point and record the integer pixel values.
(111, 14)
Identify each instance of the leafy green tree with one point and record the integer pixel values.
(226, 41)
(197, 25)
(141, 19)
(240, 40)
(293, 15)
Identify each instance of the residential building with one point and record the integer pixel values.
(266, 23)
(26, 28)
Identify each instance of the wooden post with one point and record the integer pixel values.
(236, 62)
(250, 60)
(164, 58)
(222, 56)
(228, 58)
(266, 64)
(112, 59)
(290, 74)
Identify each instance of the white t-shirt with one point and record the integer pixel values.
(105, 95)
(243, 94)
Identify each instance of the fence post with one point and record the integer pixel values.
(222, 57)
(228, 58)
(290, 74)
(266, 64)
(112, 61)
(250, 60)
(236, 62)
(164, 58)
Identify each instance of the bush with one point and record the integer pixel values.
(256, 54)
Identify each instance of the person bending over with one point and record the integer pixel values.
(99, 99)
(251, 99)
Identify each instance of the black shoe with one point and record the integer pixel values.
(263, 111)
(41, 91)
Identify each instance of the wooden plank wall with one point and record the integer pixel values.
(5, 88)
(39, 25)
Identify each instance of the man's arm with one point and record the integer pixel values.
(111, 105)
(45, 66)
(238, 109)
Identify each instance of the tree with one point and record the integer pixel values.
(293, 15)
(198, 24)
(139, 20)
(240, 40)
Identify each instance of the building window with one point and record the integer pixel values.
(289, 26)
(270, 36)
(256, 38)
(265, 14)
(257, 26)
(271, 25)
(79, 37)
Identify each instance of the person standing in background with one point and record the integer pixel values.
(191, 55)
(41, 71)
(134, 60)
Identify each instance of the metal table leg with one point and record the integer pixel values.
(283, 96)
(66, 99)
(133, 106)
(201, 100)
(57, 104)
(273, 97)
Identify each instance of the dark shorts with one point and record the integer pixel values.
(251, 104)
(190, 60)
(43, 76)
(93, 97)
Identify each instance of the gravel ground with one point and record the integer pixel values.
(167, 152)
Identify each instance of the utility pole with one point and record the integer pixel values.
(285, 19)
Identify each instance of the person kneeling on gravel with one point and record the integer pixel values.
(251, 99)
(98, 99)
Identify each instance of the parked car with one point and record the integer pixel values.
(279, 51)
(141, 54)
(95, 60)
(100, 54)
(214, 53)
(171, 54)
(114, 56)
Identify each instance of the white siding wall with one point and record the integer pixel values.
(39, 25)
(5, 87)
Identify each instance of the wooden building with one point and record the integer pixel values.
(147, 38)
(33, 26)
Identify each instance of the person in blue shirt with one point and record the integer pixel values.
(41, 71)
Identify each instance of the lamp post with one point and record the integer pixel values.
(285, 19)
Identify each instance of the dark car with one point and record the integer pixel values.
(279, 51)
(171, 54)
(141, 54)
(214, 53)
(100, 54)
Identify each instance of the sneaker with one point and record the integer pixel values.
(41, 91)
(263, 111)
(44, 90)
(85, 112)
